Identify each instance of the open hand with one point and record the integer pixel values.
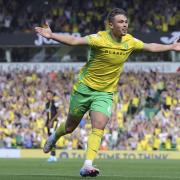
(45, 32)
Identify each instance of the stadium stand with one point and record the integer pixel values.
(78, 16)
(146, 116)
(18, 19)
(146, 112)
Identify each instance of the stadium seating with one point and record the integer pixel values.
(145, 117)
(78, 16)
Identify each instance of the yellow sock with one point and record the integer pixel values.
(93, 144)
(60, 131)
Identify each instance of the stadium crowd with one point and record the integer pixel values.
(87, 16)
(146, 111)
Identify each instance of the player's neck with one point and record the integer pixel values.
(114, 37)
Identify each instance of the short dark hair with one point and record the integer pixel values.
(50, 91)
(114, 12)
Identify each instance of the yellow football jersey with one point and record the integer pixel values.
(106, 59)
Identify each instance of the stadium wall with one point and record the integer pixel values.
(168, 67)
(79, 154)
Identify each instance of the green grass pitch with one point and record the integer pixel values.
(66, 169)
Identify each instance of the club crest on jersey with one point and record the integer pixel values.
(125, 45)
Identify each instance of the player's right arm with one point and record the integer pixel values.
(66, 39)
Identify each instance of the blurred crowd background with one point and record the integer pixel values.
(145, 116)
(87, 16)
(146, 109)
(81, 18)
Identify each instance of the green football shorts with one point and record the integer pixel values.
(85, 98)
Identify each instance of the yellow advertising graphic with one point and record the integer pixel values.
(79, 154)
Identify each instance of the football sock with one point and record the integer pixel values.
(93, 144)
(60, 131)
(88, 163)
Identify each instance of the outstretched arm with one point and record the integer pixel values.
(153, 47)
(67, 39)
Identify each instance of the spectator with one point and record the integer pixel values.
(23, 97)
(65, 15)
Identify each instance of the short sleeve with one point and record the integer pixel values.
(93, 39)
(138, 44)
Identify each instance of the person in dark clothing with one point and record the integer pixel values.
(51, 121)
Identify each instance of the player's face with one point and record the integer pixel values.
(49, 96)
(119, 25)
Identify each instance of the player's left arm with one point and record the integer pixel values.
(154, 47)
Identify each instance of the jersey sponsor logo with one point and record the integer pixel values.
(115, 52)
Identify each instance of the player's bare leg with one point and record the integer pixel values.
(65, 128)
